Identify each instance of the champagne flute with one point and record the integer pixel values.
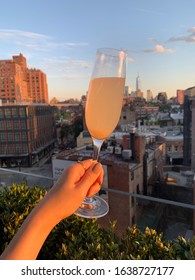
(102, 112)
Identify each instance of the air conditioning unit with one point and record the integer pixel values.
(118, 150)
(127, 154)
(132, 129)
(110, 149)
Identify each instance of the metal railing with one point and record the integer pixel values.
(177, 218)
(139, 196)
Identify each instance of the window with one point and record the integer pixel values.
(15, 112)
(17, 136)
(23, 124)
(9, 124)
(18, 148)
(3, 136)
(16, 124)
(22, 112)
(24, 136)
(8, 112)
(1, 125)
(10, 148)
(25, 148)
(1, 113)
(9, 136)
(3, 149)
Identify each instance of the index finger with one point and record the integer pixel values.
(78, 169)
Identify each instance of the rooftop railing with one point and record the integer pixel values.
(178, 217)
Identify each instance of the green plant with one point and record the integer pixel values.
(78, 238)
(145, 246)
(16, 203)
(181, 249)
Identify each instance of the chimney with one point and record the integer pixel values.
(132, 141)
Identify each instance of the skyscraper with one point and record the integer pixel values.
(138, 83)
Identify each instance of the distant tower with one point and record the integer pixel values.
(128, 91)
(138, 83)
(149, 95)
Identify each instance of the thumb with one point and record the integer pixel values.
(90, 176)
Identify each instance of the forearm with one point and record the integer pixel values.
(30, 237)
(60, 202)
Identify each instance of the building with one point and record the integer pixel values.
(127, 116)
(173, 147)
(189, 128)
(149, 95)
(138, 83)
(139, 94)
(128, 91)
(84, 139)
(180, 96)
(27, 134)
(145, 111)
(162, 97)
(36, 86)
(20, 84)
(54, 101)
(129, 168)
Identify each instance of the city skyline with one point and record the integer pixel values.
(61, 39)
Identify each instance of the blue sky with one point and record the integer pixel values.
(61, 37)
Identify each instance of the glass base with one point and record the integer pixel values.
(94, 207)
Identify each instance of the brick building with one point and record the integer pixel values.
(21, 84)
(27, 134)
(130, 171)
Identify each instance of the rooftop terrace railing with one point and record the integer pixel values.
(15, 176)
(180, 217)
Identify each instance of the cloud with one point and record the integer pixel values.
(10, 34)
(35, 41)
(66, 68)
(188, 38)
(192, 29)
(148, 11)
(152, 39)
(158, 49)
(39, 50)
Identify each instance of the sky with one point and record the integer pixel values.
(61, 37)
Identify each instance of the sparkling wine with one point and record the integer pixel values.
(103, 107)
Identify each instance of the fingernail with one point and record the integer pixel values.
(96, 168)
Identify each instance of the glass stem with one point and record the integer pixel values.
(88, 200)
(97, 146)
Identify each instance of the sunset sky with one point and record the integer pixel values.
(61, 37)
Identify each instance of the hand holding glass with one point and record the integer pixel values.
(102, 112)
